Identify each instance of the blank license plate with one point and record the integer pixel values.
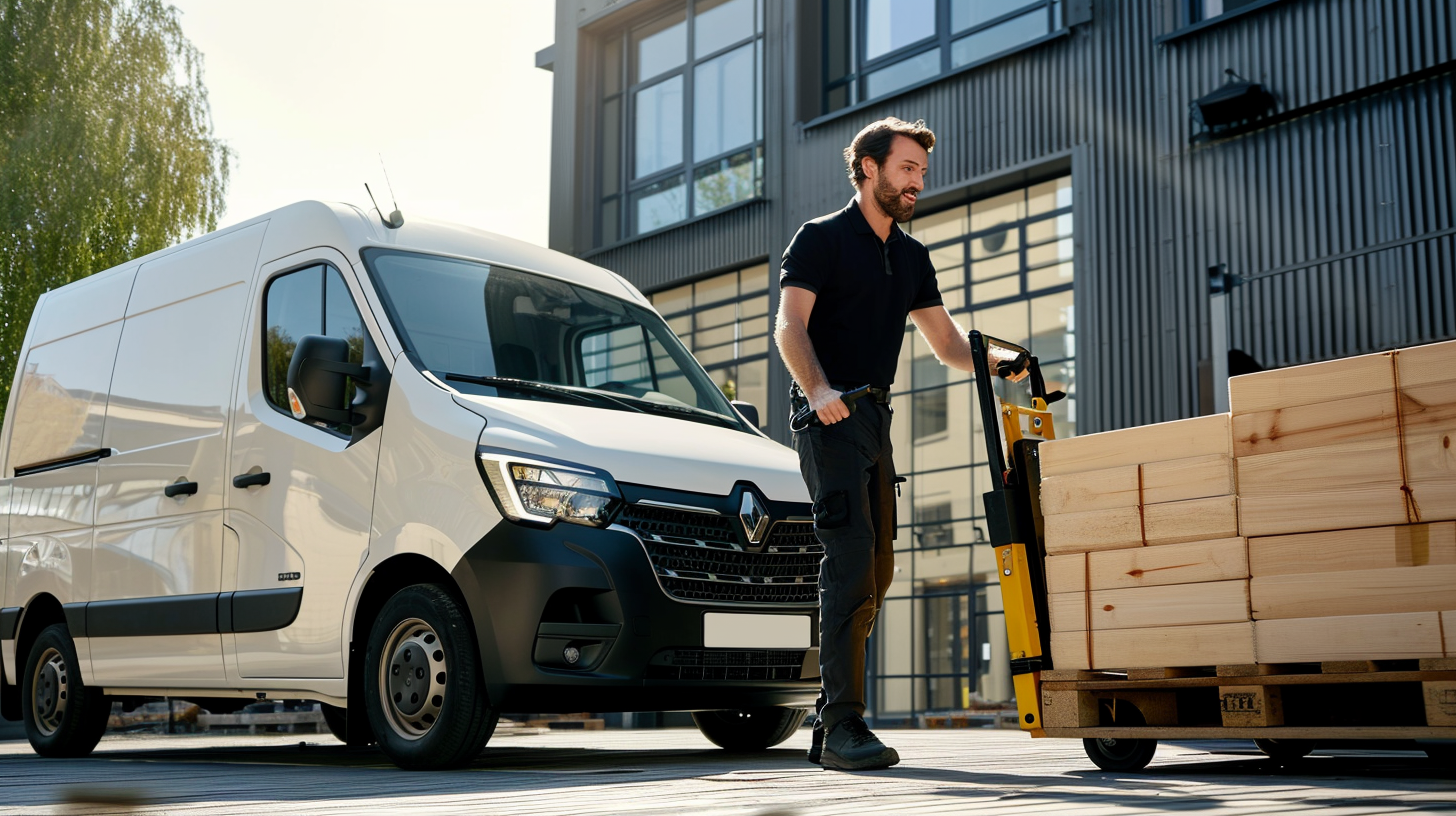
(722, 630)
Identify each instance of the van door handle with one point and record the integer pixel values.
(252, 479)
(180, 489)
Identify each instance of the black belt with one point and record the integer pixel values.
(876, 393)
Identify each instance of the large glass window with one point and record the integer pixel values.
(681, 117)
(1005, 266)
(873, 48)
(724, 321)
(1198, 10)
(309, 301)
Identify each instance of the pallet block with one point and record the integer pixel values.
(1404, 636)
(1191, 562)
(1181, 439)
(1173, 646)
(1174, 605)
(1251, 706)
(1192, 520)
(1335, 487)
(1412, 545)
(1308, 384)
(1068, 709)
(1067, 573)
(1353, 592)
(1440, 702)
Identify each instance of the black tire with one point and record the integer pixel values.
(347, 727)
(63, 716)
(1284, 750)
(1120, 754)
(751, 729)
(423, 689)
(1444, 753)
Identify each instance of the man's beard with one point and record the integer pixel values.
(889, 201)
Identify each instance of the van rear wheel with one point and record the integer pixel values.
(750, 729)
(422, 682)
(63, 716)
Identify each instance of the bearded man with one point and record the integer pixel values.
(848, 281)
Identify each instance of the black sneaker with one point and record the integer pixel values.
(816, 741)
(851, 746)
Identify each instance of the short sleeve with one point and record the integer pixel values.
(804, 263)
(927, 293)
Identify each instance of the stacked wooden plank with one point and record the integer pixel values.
(1145, 563)
(1347, 491)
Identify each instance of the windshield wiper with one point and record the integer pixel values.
(586, 396)
(686, 410)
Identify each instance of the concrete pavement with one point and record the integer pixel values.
(651, 772)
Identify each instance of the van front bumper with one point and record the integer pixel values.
(533, 592)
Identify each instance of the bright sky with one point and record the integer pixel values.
(309, 94)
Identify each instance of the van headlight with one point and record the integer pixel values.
(546, 492)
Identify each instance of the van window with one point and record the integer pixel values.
(501, 332)
(308, 301)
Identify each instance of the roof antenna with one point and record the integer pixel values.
(395, 219)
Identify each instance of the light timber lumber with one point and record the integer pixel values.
(1335, 509)
(1204, 645)
(1257, 669)
(1180, 439)
(1336, 487)
(1068, 611)
(1197, 477)
(1428, 425)
(1448, 628)
(1406, 636)
(1358, 419)
(1192, 520)
(1093, 490)
(1068, 709)
(1431, 364)
(1440, 703)
(1175, 605)
(1353, 592)
(1251, 706)
(1191, 562)
(1164, 673)
(1069, 650)
(1055, 675)
(1408, 545)
(1307, 384)
(1066, 573)
(1360, 666)
(1093, 530)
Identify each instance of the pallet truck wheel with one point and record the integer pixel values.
(1284, 750)
(1120, 754)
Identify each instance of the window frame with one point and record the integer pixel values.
(689, 166)
(862, 68)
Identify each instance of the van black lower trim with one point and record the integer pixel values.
(9, 620)
(84, 458)
(251, 610)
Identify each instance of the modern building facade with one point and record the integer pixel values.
(1098, 161)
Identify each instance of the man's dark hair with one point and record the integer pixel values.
(874, 143)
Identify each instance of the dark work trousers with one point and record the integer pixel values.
(851, 479)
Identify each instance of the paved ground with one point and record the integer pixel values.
(645, 773)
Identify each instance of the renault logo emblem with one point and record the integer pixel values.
(755, 520)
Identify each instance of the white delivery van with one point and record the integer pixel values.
(420, 474)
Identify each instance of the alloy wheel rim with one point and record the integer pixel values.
(412, 678)
(50, 688)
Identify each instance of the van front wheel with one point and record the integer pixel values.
(750, 729)
(422, 682)
(63, 716)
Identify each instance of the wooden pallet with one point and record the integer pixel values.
(1404, 699)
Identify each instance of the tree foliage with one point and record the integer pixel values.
(106, 147)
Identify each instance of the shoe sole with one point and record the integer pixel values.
(883, 759)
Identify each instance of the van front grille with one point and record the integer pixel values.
(727, 664)
(706, 557)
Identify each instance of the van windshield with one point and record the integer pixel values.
(497, 331)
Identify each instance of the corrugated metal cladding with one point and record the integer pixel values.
(1348, 195)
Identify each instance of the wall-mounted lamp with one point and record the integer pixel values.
(1237, 103)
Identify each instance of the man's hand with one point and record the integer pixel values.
(828, 406)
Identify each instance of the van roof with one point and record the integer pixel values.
(349, 229)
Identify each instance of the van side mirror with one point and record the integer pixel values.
(748, 411)
(318, 378)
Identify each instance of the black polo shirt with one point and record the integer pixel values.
(865, 289)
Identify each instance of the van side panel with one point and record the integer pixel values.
(167, 424)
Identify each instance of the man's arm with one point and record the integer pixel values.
(946, 338)
(791, 332)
